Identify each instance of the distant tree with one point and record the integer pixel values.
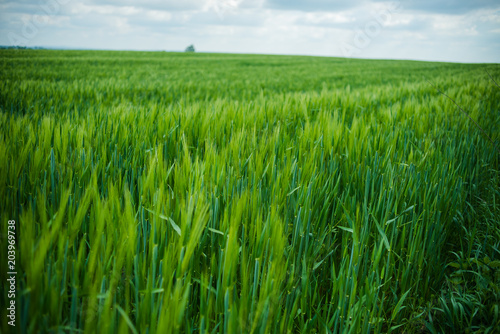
(190, 48)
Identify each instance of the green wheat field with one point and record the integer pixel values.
(159, 192)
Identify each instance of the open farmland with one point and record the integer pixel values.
(218, 193)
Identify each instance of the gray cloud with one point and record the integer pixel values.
(447, 6)
(168, 5)
(312, 5)
(429, 6)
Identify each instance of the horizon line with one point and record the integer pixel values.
(63, 48)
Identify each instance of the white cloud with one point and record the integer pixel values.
(419, 31)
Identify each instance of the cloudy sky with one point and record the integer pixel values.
(443, 30)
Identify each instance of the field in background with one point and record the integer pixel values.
(218, 193)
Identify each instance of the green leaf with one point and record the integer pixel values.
(215, 231)
(384, 237)
(127, 319)
(170, 220)
(346, 229)
(317, 264)
(399, 306)
(494, 264)
(291, 192)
